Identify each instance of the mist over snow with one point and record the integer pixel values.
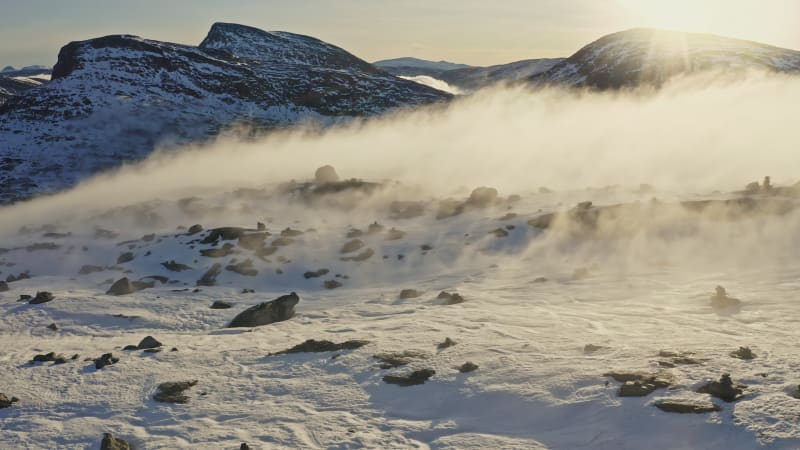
(435, 83)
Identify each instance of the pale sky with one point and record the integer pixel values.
(478, 32)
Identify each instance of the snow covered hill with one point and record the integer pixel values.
(651, 57)
(116, 98)
(17, 81)
(411, 67)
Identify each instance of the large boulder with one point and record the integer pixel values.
(278, 310)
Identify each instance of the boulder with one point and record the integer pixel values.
(124, 286)
(314, 346)
(110, 442)
(351, 246)
(743, 353)
(148, 342)
(468, 367)
(723, 389)
(685, 407)
(482, 197)
(173, 391)
(173, 266)
(397, 359)
(326, 174)
(210, 277)
(450, 298)
(6, 402)
(414, 378)
(194, 229)
(106, 360)
(221, 252)
(244, 268)
(125, 257)
(219, 304)
(332, 284)
(315, 274)
(447, 343)
(87, 269)
(409, 293)
(721, 303)
(278, 310)
(41, 297)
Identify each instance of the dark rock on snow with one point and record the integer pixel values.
(148, 342)
(723, 389)
(42, 297)
(210, 277)
(315, 274)
(278, 310)
(409, 293)
(468, 367)
(314, 346)
(110, 442)
(219, 304)
(6, 402)
(173, 391)
(450, 298)
(105, 360)
(743, 353)
(124, 286)
(414, 378)
(173, 266)
(685, 407)
(446, 344)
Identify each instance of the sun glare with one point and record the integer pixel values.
(679, 15)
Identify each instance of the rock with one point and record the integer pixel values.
(252, 241)
(325, 175)
(363, 256)
(591, 348)
(53, 327)
(129, 348)
(450, 298)
(468, 367)
(282, 242)
(261, 226)
(288, 232)
(332, 284)
(24, 298)
(244, 446)
(41, 297)
(351, 246)
(446, 344)
(173, 266)
(316, 274)
(720, 302)
(148, 342)
(87, 269)
(194, 229)
(221, 252)
(375, 228)
(743, 353)
(635, 389)
(224, 234)
(409, 293)
(110, 442)
(499, 232)
(105, 360)
(314, 346)
(278, 310)
(149, 237)
(686, 407)
(397, 359)
(244, 268)
(414, 378)
(6, 402)
(173, 391)
(482, 197)
(124, 286)
(395, 234)
(210, 277)
(219, 304)
(723, 389)
(3, 286)
(45, 358)
(406, 210)
(125, 257)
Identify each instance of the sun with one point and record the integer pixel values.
(678, 15)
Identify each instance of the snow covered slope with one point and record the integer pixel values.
(650, 57)
(544, 313)
(116, 98)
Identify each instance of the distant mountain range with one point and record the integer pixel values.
(116, 98)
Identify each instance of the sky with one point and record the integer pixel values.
(477, 32)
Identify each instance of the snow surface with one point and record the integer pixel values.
(535, 386)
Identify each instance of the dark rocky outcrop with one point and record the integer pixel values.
(315, 274)
(6, 402)
(221, 252)
(173, 266)
(194, 229)
(447, 343)
(449, 298)
(414, 378)
(125, 257)
(351, 246)
(244, 268)
(210, 277)
(106, 360)
(110, 442)
(278, 310)
(314, 346)
(686, 407)
(468, 367)
(173, 391)
(332, 284)
(724, 389)
(220, 304)
(397, 359)
(3, 286)
(148, 342)
(409, 293)
(125, 286)
(363, 256)
(326, 174)
(743, 353)
(638, 384)
(42, 297)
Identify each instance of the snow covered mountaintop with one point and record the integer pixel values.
(649, 56)
(423, 64)
(116, 98)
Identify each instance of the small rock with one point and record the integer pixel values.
(131, 347)
(53, 327)
(124, 286)
(743, 353)
(194, 229)
(220, 304)
(635, 389)
(314, 346)
(148, 342)
(468, 367)
(125, 257)
(499, 232)
(591, 348)
(363, 256)
(105, 360)
(316, 274)
(409, 293)
(110, 442)
(332, 284)
(685, 407)
(42, 297)
(244, 446)
(173, 391)
(173, 266)
(450, 298)
(5, 402)
(351, 246)
(87, 269)
(721, 303)
(3, 286)
(414, 378)
(446, 344)
(278, 310)
(723, 389)
(244, 268)
(397, 359)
